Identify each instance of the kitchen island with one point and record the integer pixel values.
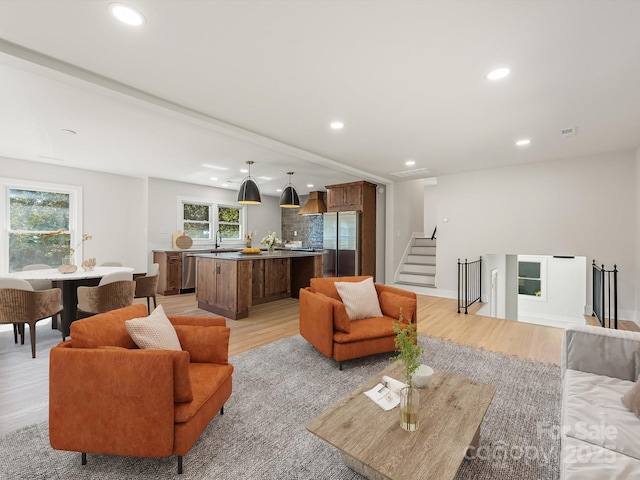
(230, 283)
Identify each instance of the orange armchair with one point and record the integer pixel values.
(106, 396)
(324, 322)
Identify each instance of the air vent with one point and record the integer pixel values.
(418, 172)
(568, 132)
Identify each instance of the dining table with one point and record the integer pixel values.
(68, 283)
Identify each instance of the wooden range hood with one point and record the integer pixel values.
(315, 205)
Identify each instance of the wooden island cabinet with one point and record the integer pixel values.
(229, 284)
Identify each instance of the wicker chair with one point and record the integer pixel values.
(39, 285)
(20, 304)
(146, 286)
(115, 290)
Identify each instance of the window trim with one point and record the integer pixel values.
(75, 193)
(543, 277)
(213, 215)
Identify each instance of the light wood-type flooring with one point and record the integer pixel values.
(24, 381)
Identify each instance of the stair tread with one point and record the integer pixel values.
(430, 285)
(419, 273)
(423, 264)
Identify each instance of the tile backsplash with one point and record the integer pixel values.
(309, 227)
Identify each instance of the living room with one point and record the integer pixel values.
(574, 195)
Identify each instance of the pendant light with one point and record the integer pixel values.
(249, 194)
(289, 197)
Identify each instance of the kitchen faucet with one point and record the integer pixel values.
(218, 237)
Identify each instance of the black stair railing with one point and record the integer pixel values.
(605, 295)
(469, 283)
(433, 235)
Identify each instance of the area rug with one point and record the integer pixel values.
(279, 388)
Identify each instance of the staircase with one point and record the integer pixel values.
(419, 266)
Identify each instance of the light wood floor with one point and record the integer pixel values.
(24, 381)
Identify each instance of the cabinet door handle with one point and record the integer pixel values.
(218, 269)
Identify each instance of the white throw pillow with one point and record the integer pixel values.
(154, 332)
(360, 299)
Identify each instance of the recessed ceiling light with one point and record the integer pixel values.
(208, 165)
(278, 189)
(127, 14)
(244, 170)
(336, 125)
(310, 185)
(498, 73)
(410, 162)
(214, 179)
(265, 178)
(225, 184)
(523, 142)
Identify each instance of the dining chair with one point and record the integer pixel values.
(115, 290)
(147, 285)
(20, 304)
(40, 285)
(116, 277)
(111, 264)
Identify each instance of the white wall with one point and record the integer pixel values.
(584, 207)
(430, 208)
(163, 211)
(114, 210)
(407, 217)
(381, 227)
(565, 298)
(637, 220)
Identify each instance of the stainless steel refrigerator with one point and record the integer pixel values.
(341, 244)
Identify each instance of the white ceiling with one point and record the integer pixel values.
(222, 82)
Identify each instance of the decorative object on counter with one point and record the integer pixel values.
(181, 241)
(289, 197)
(406, 342)
(88, 264)
(249, 193)
(271, 241)
(423, 375)
(250, 251)
(67, 265)
(249, 238)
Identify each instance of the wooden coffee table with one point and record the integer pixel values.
(373, 444)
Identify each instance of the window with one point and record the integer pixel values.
(531, 278)
(42, 223)
(201, 220)
(229, 223)
(197, 221)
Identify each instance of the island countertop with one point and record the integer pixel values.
(258, 256)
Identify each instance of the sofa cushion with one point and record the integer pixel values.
(153, 332)
(360, 299)
(390, 304)
(206, 378)
(631, 399)
(341, 321)
(592, 412)
(327, 287)
(106, 328)
(366, 329)
(585, 461)
(205, 344)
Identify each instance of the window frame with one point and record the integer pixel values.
(543, 277)
(75, 193)
(213, 219)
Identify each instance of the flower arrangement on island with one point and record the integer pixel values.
(270, 240)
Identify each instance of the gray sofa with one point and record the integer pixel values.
(600, 437)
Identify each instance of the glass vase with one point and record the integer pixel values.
(409, 407)
(67, 265)
(270, 250)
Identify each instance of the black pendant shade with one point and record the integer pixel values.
(289, 197)
(249, 193)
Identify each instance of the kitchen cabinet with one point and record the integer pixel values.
(230, 284)
(358, 196)
(170, 273)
